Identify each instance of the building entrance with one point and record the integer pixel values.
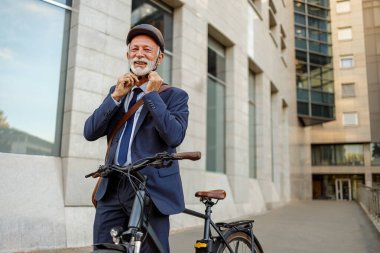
(343, 189)
(336, 186)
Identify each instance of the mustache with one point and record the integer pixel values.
(136, 59)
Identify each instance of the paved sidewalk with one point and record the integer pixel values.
(299, 227)
(305, 227)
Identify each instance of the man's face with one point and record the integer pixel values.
(142, 55)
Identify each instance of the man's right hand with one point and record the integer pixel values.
(124, 85)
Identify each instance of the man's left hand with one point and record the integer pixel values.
(155, 82)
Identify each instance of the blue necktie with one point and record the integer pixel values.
(124, 144)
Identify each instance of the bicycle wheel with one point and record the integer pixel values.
(240, 242)
(107, 251)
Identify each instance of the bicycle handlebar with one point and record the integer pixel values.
(187, 155)
(157, 160)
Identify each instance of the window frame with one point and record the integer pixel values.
(212, 165)
(346, 57)
(346, 95)
(350, 122)
(340, 3)
(345, 33)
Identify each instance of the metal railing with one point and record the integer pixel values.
(369, 198)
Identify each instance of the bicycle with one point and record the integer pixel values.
(233, 237)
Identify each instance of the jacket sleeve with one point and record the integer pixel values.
(170, 117)
(97, 124)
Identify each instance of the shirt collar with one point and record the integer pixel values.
(143, 87)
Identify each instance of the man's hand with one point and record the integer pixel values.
(155, 82)
(124, 85)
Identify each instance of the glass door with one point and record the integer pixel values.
(343, 189)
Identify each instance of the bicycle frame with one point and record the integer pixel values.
(130, 240)
(137, 222)
(206, 228)
(243, 225)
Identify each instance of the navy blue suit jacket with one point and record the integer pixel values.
(161, 127)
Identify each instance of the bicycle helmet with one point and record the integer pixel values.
(149, 30)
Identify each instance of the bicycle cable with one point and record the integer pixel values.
(134, 183)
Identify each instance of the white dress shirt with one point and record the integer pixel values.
(136, 117)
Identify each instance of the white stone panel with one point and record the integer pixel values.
(32, 214)
(79, 226)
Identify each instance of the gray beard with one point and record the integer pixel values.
(142, 71)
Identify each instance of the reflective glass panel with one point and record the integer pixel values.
(300, 7)
(300, 19)
(216, 107)
(323, 3)
(216, 60)
(346, 62)
(345, 155)
(252, 125)
(375, 153)
(215, 126)
(33, 61)
(316, 11)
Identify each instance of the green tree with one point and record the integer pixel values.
(3, 120)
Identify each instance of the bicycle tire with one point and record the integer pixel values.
(107, 251)
(240, 242)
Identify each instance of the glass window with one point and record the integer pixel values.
(376, 180)
(252, 125)
(300, 31)
(345, 33)
(302, 108)
(216, 107)
(348, 90)
(317, 47)
(343, 6)
(300, 7)
(319, 12)
(323, 3)
(319, 35)
(300, 19)
(318, 24)
(301, 44)
(33, 62)
(375, 153)
(160, 16)
(350, 119)
(346, 62)
(340, 154)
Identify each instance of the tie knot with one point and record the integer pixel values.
(137, 91)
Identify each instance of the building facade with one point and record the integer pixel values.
(58, 60)
(345, 151)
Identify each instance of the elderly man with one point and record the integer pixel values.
(158, 125)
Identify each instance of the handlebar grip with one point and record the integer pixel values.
(196, 155)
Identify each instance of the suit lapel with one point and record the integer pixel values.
(143, 113)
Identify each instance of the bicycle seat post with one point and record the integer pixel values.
(206, 232)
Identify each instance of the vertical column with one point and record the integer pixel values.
(264, 135)
(190, 73)
(367, 165)
(96, 58)
(276, 134)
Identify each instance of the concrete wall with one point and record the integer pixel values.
(48, 198)
(335, 131)
(371, 10)
(363, 74)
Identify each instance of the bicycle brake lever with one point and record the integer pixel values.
(100, 172)
(160, 163)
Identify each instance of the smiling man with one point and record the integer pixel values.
(158, 125)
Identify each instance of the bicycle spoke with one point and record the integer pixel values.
(237, 246)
